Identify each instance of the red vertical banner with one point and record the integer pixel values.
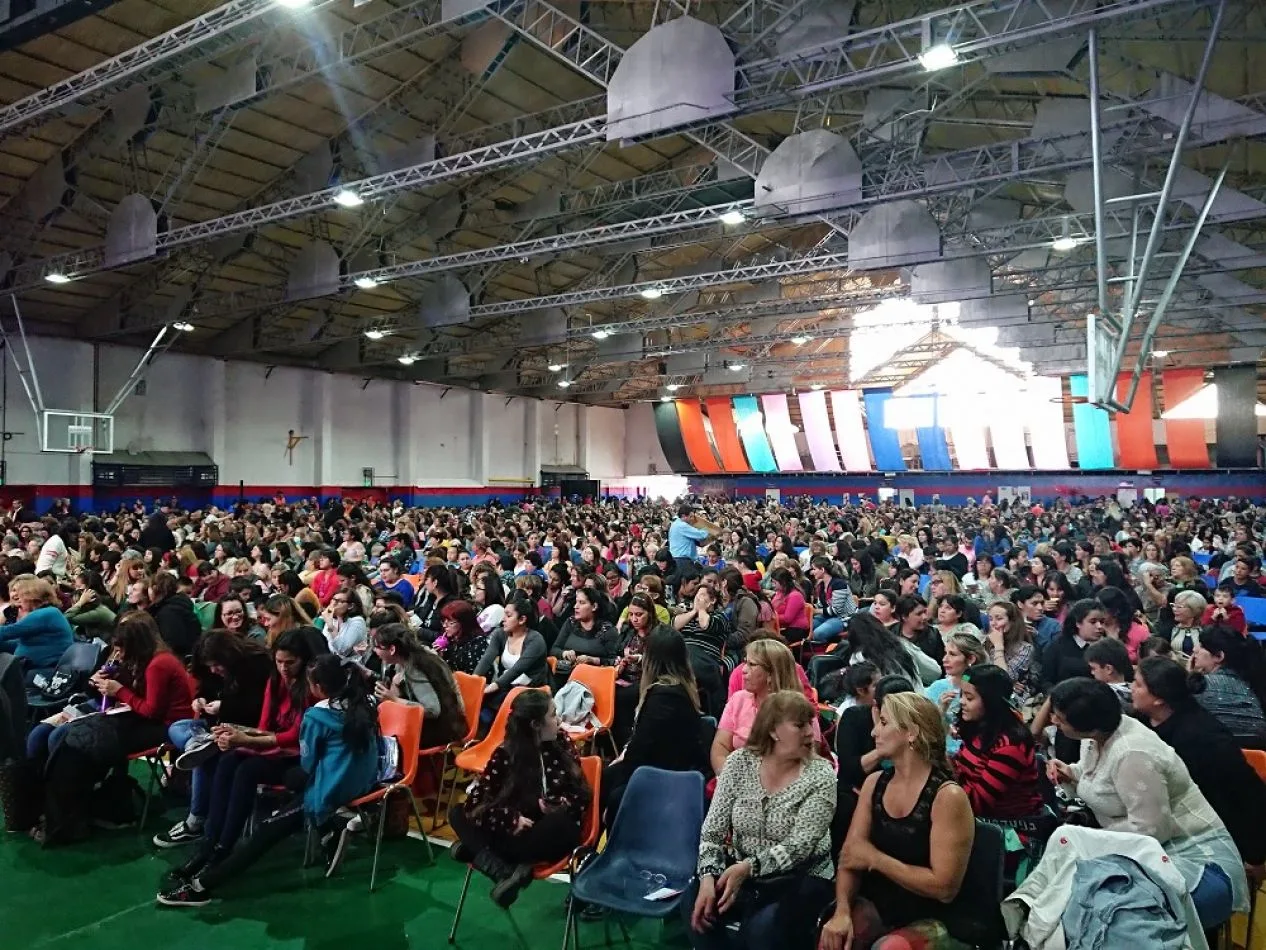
(1184, 437)
(725, 433)
(693, 433)
(1136, 439)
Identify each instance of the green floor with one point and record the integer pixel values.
(101, 895)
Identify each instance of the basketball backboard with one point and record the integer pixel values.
(70, 431)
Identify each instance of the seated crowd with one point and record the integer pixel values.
(864, 688)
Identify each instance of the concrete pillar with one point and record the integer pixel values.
(532, 440)
(479, 448)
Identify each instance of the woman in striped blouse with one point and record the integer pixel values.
(997, 764)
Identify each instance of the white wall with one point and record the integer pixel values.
(642, 453)
(240, 414)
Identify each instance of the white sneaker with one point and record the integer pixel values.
(197, 751)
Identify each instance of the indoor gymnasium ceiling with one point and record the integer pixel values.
(499, 230)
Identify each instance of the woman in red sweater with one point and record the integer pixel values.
(252, 756)
(148, 678)
(997, 764)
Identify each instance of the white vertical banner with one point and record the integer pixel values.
(773, 496)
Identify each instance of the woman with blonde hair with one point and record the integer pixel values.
(41, 634)
(131, 570)
(278, 614)
(770, 818)
(905, 856)
(770, 668)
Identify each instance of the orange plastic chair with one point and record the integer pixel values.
(553, 664)
(405, 723)
(471, 689)
(1257, 760)
(474, 758)
(601, 682)
(591, 766)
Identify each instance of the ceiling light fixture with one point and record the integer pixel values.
(56, 277)
(600, 334)
(938, 57)
(564, 383)
(182, 326)
(672, 387)
(556, 367)
(733, 217)
(801, 340)
(293, 4)
(408, 359)
(816, 386)
(1160, 354)
(652, 293)
(1064, 243)
(375, 334)
(737, 367)
(365, 283)
(347, 198)
(665, 398)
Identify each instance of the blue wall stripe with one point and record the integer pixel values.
(884, 442)
(933, 449)
(1090, 425)
(751, 427)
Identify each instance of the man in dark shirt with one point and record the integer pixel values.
(1243, 581)
(951, 558)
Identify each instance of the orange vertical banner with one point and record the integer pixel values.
(725, 434)
(1136, 441)
(1184, 437)
(695, 435)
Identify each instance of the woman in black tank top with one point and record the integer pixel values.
(906, 852)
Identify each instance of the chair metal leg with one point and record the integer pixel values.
(382, 821)
(1252, 910)
(149, 790)
(567, 925)
(452, 789)
(413, 803)
(436, 821)
(461, 902)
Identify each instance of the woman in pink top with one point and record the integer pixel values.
(789, 606)
(1120, 621)
(770, 667)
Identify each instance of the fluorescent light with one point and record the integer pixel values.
(940, 56)
(1160, 354)
(1064, 243)
(408, 359)
(816, 386)
(182, 326)
(556, 367)
(293, 4)
(652, 293)
(375, 334)
(348, 198)
(56, 277)
(801, 340)
(733, 217)
(564, 383)
(365, 283)
(665, 398)
(737, 367)
(600, 334)
(672, 387)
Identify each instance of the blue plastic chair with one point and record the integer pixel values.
(1254, 612)
(925, 581)
(999, 560)
(653, 843)
(1202, 558)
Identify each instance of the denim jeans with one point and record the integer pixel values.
(1213, 898)
(178, 734)
(828, 629)
(43, 740)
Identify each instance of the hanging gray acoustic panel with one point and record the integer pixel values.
(445, 303)
(314, 272)
(132, 234)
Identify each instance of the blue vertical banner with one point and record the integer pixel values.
(751, 428)
(1090, 427)
(933, 449)
(885, 444)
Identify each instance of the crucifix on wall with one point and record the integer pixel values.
(292, 442)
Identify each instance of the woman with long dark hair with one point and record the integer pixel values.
(635, 633)
(339, 763)
(439, 586)
(527, 806)
(997, 762)
(280, 614)
(236, 767)
(1121, 621)
(1235, 686)
(413, 673)
(93, 612)
(1166, 696)
(924, 643)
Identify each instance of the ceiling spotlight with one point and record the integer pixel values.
(347, 198)
(940, 56)
(801, 340)
(1032, 303)
(56, 277)
(672, 387)
(652, 293)
(408, 359)
(365, 283)
(600, 334)
(816, 386)
(737, 367)
(556, 367)
(564, 383)
(665, 398)
(182, 326)
(375, 334)
(1064, 243)
(1160, 354)
(733, 217)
